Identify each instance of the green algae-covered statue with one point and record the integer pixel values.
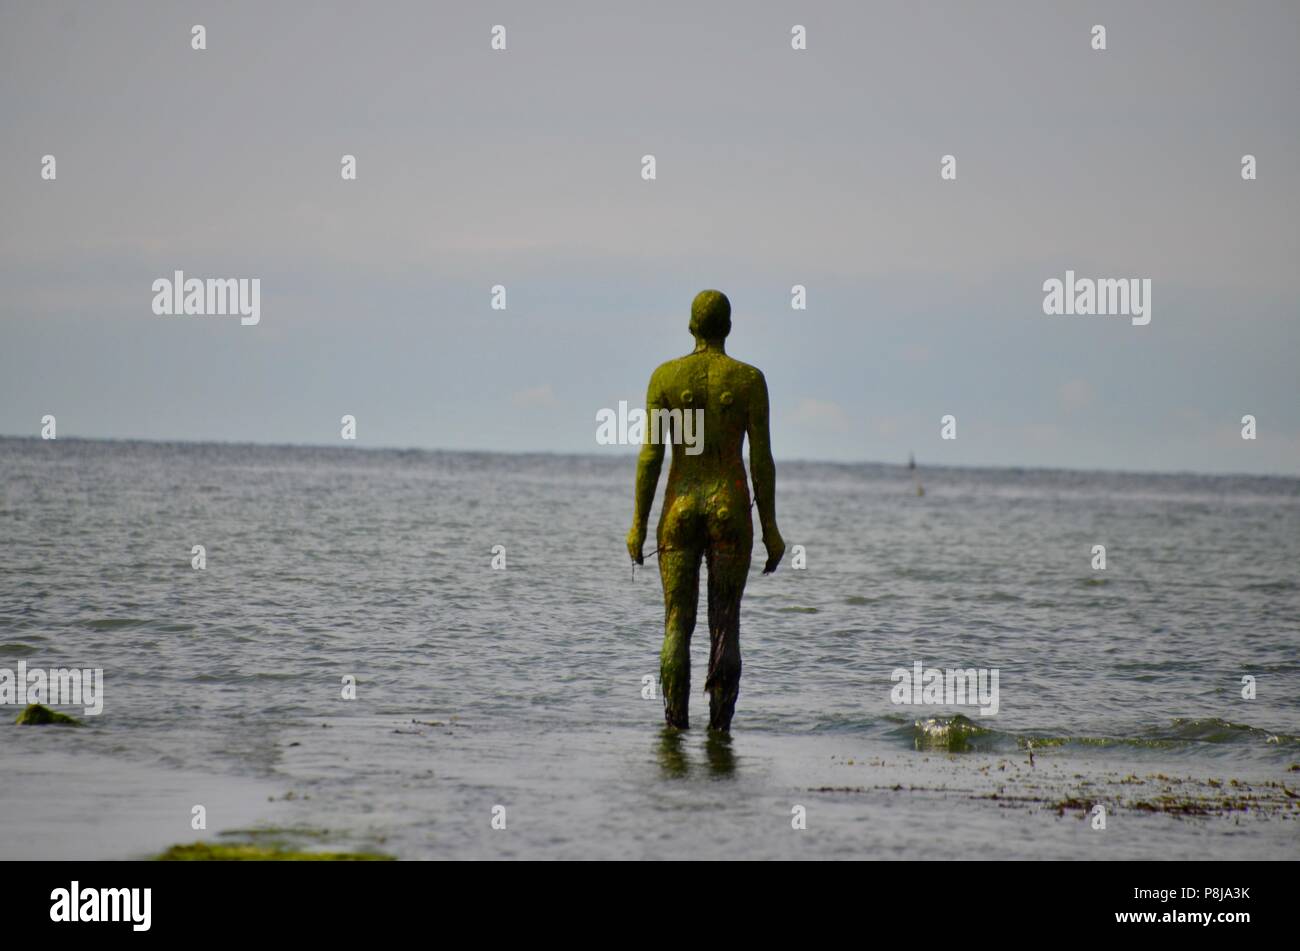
(706, 509)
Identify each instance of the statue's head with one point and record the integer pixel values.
(710, 315)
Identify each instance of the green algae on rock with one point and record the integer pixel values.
(204, 852)
(38, 714)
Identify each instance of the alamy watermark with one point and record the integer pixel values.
(211, 297)
(75, 903)
(1104, 297)
(58, 686)
(628, 427)
(953, 687)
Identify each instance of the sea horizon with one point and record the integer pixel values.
(630, 453)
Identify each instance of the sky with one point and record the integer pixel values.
(774, 167)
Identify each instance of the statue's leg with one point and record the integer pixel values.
(728, 557)
(679, 570)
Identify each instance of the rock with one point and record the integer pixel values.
(204, 852)
(38, 714)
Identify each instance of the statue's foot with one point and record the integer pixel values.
(720, 713)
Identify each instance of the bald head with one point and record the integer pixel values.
(710, 315)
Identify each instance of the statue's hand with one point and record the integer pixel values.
(635, 542)
(775, 546)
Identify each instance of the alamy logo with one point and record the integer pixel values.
(628, 427)
(1104, 297)
(58, 686)
(102, 904)
(954, 687)
(213, 297)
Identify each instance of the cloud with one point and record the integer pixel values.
(1076, 394)
(1037, 434)
(819, 414)
(538, 397)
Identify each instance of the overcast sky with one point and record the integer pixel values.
(774, 167)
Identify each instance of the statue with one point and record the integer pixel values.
(706, 508)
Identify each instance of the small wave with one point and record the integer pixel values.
(1214, 730)
(229, 677)
(1282, 585)
(858, 599)
(1180, 734)
(957, 734)
(114, 623)
(960, 734)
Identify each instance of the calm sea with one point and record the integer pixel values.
(525, 688)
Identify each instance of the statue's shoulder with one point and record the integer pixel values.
(666, 375)
(746, 374)
(670, 368)
(682, 368)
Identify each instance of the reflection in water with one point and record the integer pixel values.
(721, 758)
(671, 753)
(672, 758)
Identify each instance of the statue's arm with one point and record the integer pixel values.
(648, 465)
(762, 471)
